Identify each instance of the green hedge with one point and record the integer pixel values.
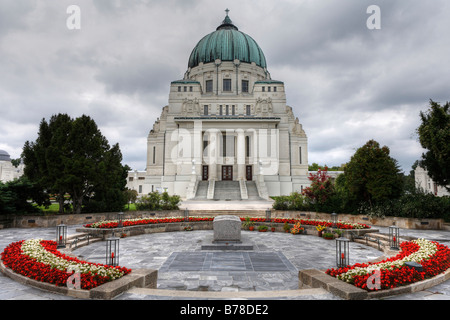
(413, 205)
(409, 205)
(157, 201)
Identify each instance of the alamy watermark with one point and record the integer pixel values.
(374, 281)
(74, 280)
(226, 146)
(374, 20)
(73, 22)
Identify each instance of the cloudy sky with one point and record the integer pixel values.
(346, 83)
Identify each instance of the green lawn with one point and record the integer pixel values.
(54, 207)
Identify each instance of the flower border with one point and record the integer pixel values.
(110, 224)
(431, 255)
(39, 260)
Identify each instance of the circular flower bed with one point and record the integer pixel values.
(40, 260)
(433, 256)
(142, 221)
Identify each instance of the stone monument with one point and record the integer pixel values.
(227, 235)
(227, 228)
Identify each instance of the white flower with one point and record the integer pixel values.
(426, 249)
(35, 250)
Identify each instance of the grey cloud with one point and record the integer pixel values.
(346, 84)
(137, 76)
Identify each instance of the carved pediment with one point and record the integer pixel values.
(289, 112)
(298, 128)
(264, 107)
(191, 107)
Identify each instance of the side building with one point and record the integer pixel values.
(424, 182)
(8, 171)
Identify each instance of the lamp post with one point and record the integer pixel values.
(112, 250)
(394, 237)
(268, 214)
(334, 219)
(186, 215)
(342, 252)
(61, 235)
(120, 218)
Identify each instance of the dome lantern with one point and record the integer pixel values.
(227, 43)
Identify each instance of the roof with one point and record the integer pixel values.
(227, 43)
(4, 156)
(269, 82)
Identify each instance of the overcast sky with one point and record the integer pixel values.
(346, 83)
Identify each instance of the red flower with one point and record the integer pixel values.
(13, 258)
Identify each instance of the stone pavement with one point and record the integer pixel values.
(188, 272)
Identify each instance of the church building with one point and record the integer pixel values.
(226, 133)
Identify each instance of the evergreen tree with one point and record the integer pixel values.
(434, 135)
(372, 175)
(72, 156)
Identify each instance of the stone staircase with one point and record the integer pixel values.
(252, 191)
(378, 241)
(202, 189)
(227, 190)
(79, 240)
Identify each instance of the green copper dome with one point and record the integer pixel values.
(227, 43)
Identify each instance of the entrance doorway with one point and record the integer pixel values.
(205, 173)
(249, 173)
(227, 172)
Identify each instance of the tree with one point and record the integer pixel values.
(434, 135)
(44, 158)
(315, 167)
(372, 175)
(14, 196)
(72, 156)
(321, 188)
(130, 196)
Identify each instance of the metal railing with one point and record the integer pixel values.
(74, 243)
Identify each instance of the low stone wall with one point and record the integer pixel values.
(140, 278)
(35, 221)
(313, 278)
(407, 223)
(105, 233)
(76, 219)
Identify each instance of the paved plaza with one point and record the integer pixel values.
(185, 271)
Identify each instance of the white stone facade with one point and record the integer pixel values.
(424, 182)
(7, 171)
(225, 120)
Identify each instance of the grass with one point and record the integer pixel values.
(54, 208)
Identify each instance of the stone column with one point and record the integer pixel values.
(197, 148)
(240, 153)
(213, 154)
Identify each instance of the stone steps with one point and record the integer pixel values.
(202, 190)
(227, 190)
(80, 239)
(243, 212)
(252, 191)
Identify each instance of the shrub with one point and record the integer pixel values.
(281, 203)
(413, 205)
(156, 201)
(295, 201)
